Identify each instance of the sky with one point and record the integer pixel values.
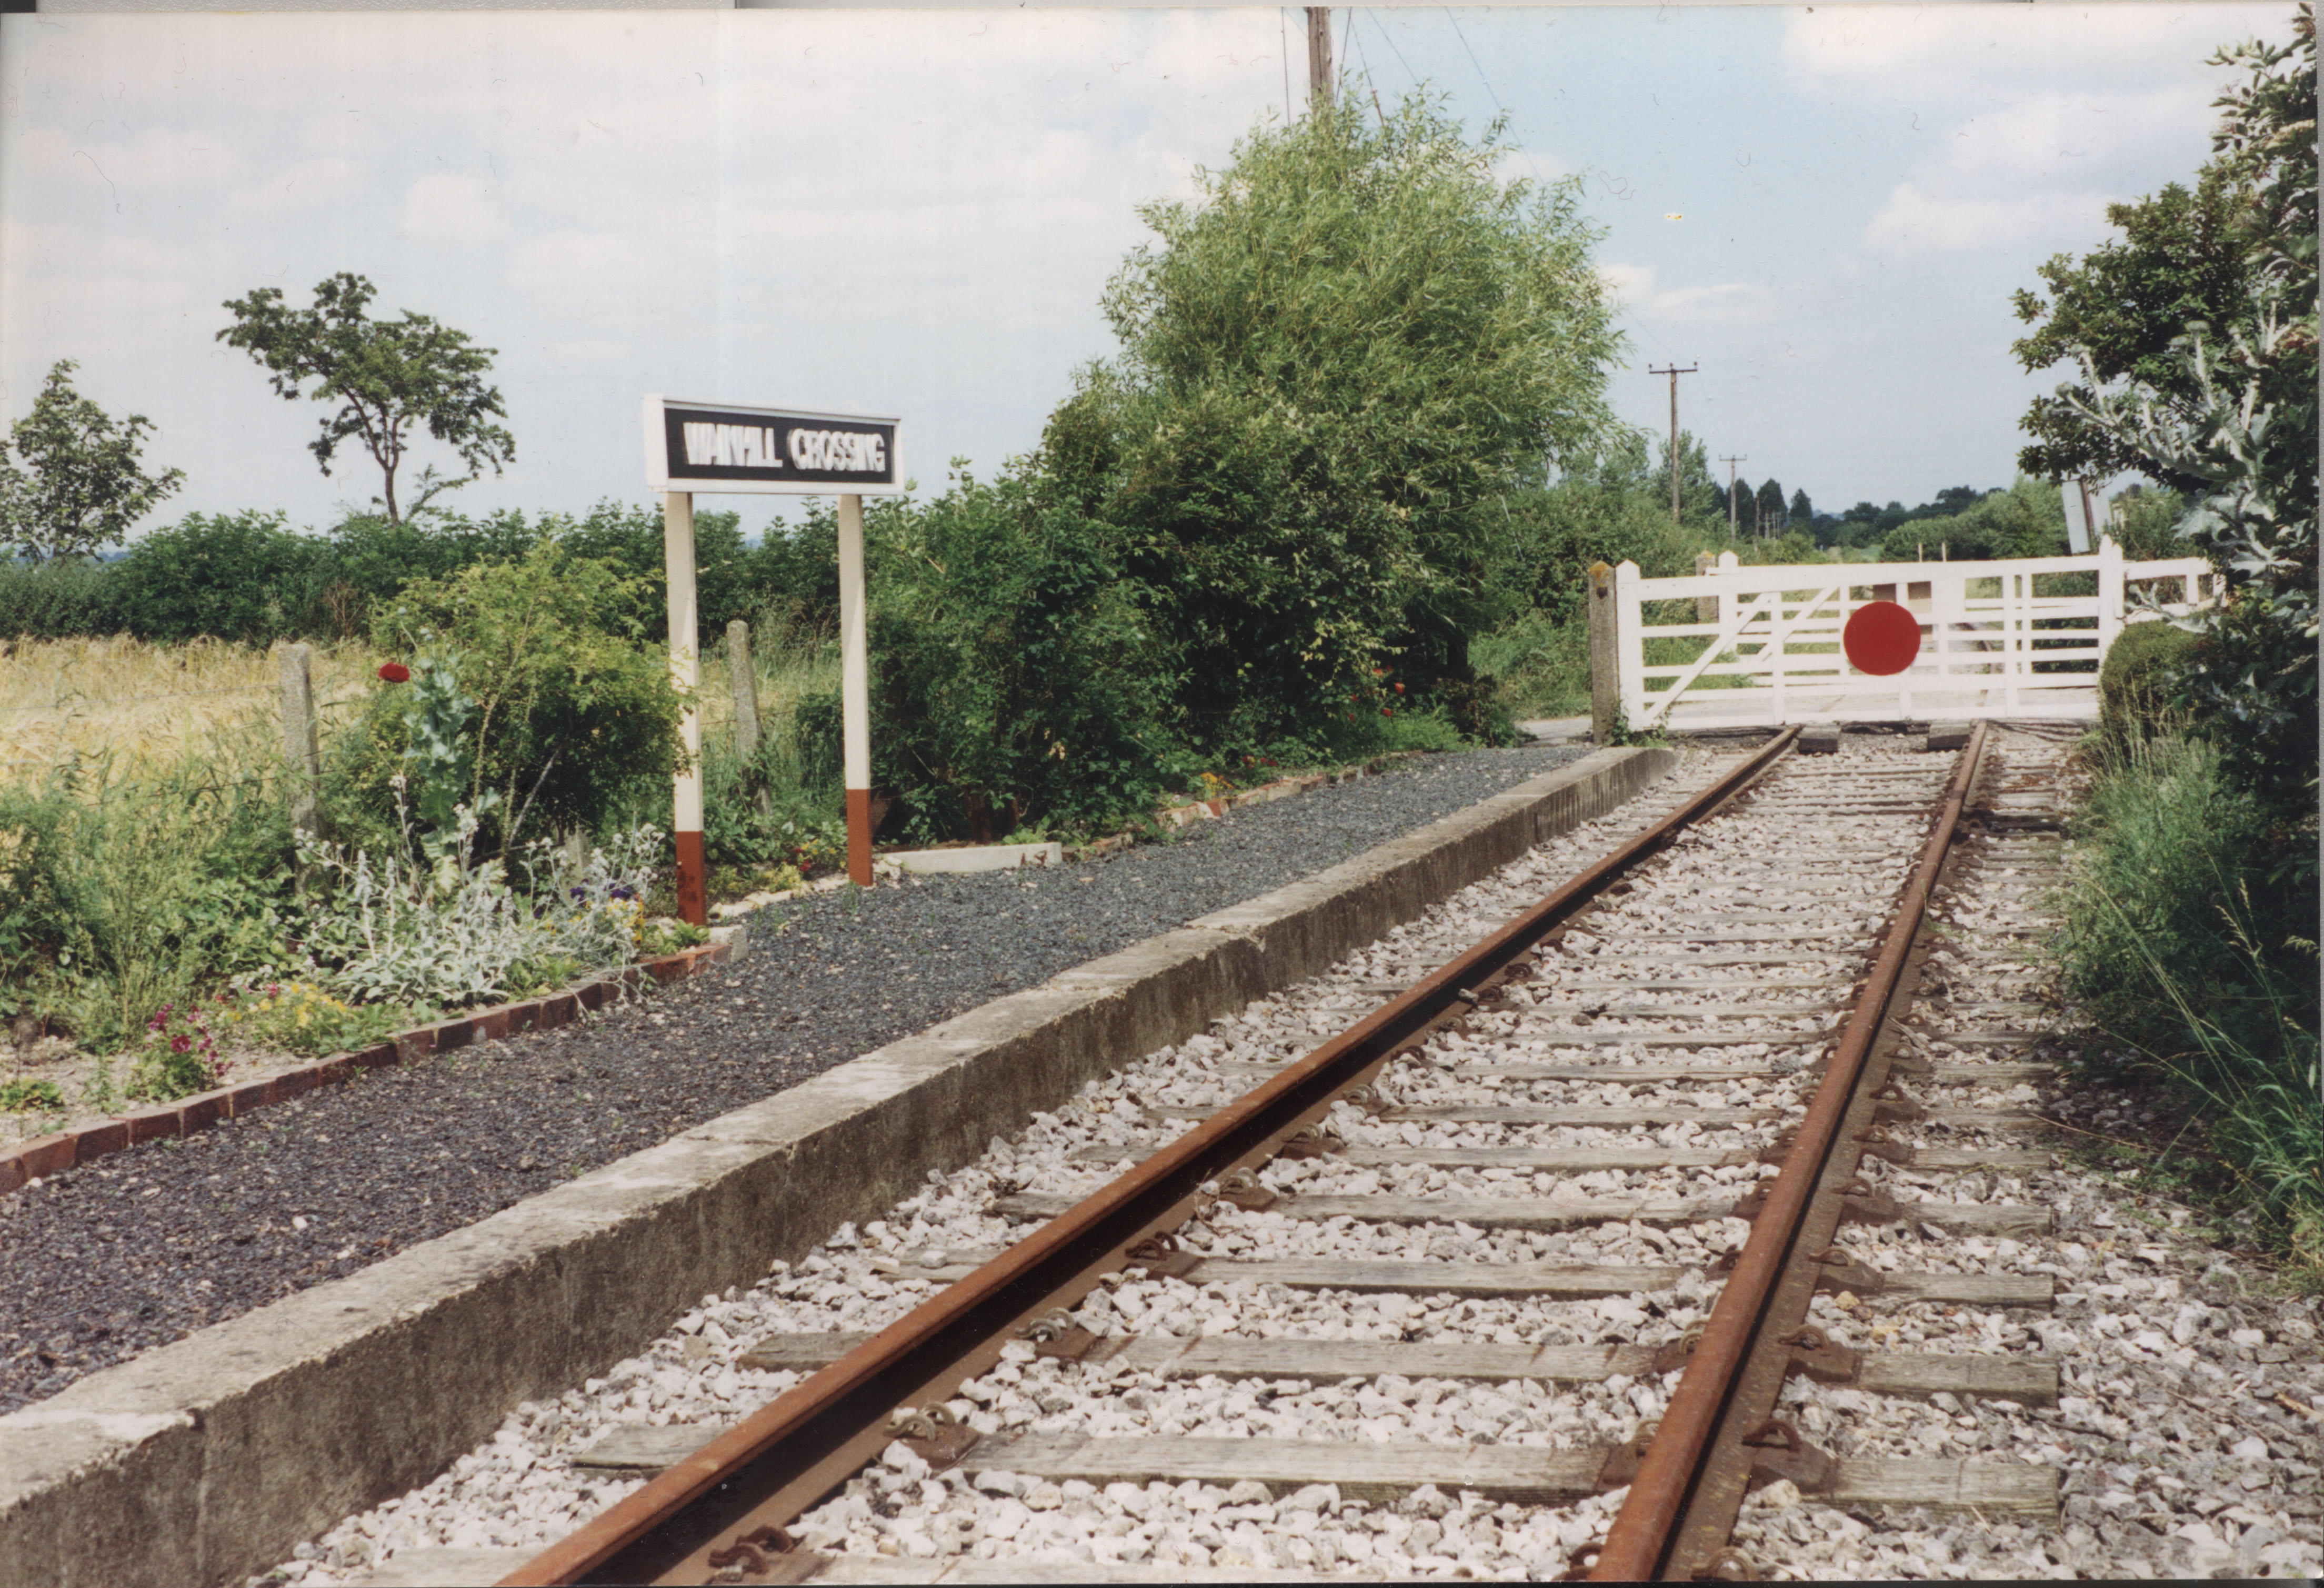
(1824, 209)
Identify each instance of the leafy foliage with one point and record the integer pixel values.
(1331, 366)
(2136, 681)
(81, 486)
(569, 709)
(385, 376)
(116, 896)
(241, 577)
(1018, 677)
(2220, 406)
(451, 930)
(2027, 520)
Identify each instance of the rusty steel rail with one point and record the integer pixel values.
(722, 1510)
(1676, 1470)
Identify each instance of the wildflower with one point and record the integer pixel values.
(179, 1044)
(395, 672)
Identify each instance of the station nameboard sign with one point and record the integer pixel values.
(721, 448)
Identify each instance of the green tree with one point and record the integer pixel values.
(1801, 513)
(1332, 367)
(1771, 507)
(81, 486)
(1699, 503)
(385, 376)
(1747, 508)
(2225, 413)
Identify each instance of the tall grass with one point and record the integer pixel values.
(137, 704)
(124, 894)
(2188, 952)
(1542, 666)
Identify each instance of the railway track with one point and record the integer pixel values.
(1621, 1213)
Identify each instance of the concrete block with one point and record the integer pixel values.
(987, 857)
(1819, 741)
(1948, 736)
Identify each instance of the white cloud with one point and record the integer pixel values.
(448, 207)
(1730, 302)
(1913, 221)
(1940, 49)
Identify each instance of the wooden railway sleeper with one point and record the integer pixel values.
(1861, 1202)
(1672, 1356)
(1876, 1143)
(1159, 1257)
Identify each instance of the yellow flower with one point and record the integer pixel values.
(302, 1017)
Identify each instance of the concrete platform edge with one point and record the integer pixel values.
(205, 1460)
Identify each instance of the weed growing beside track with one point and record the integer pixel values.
(2198, 963)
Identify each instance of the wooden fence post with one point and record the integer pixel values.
(302, 744)
(1605, 679)
(746, 707)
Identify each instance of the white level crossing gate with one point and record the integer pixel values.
(1736, 646)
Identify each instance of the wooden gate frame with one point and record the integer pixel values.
(1977, 654)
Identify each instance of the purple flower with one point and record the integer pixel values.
(180, 1043)
(621, 893)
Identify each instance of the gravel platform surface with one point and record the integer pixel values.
(153, 1243)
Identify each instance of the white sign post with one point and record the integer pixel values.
(723, 448)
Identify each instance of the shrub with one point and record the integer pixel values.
(63, 598)
(2136, 681)
(231, 576)
(571, 708)
(177, 1057)
(1018, 679)
(126, 894)
(2027, 520)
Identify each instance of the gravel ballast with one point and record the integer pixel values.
(2181, 1439)
(155, 1242)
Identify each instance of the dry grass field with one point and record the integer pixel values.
(148, 705)
(155, 706)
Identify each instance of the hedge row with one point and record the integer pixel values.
(247, 576)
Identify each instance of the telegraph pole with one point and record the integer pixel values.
(1730, 463)
(1319, 54)
(1674, 371)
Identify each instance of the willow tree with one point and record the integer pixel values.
(1333, 360)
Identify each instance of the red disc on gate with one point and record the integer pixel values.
(1881, 638)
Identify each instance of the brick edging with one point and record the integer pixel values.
(44, 1156)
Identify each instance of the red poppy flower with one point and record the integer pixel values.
(395, 672)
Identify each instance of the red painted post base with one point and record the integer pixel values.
(859, 836)
(693, 895)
